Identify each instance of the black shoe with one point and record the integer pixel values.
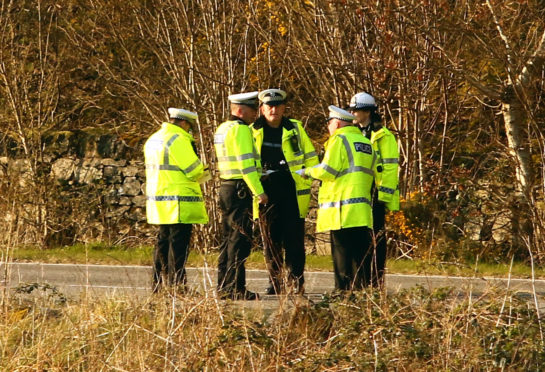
(225, 295)
(245, 295)
(272, 290)
(299, 289)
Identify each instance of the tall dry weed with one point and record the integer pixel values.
(409, 331)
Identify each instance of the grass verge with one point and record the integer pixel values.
(100, 253)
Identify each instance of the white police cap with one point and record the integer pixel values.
(362, 101)
(248, 99)
(181, 114)
(338, 113)
(272, 97)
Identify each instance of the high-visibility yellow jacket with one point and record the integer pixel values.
(237, 156)
(172, 173)
(302, 156)
(346, 172)
(386, 177)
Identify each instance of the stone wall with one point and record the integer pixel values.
(95, 190)
(122, 182)
(96, 186)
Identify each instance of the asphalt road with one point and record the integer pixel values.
(73, 280)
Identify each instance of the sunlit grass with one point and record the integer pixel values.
(412, 330)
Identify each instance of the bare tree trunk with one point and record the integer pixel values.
(513, 112)
(514, 118)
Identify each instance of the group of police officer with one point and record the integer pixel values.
(266, 164)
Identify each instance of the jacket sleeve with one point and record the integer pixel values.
(244, 150)
(183, 156)
(333, 163)
(389, 155)
(311, 157)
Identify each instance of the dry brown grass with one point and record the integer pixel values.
(408, 331)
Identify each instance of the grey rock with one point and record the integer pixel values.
(88, 175)
(111, 174)
(64, 168)
(131, 186)
(136, 214)
(117, 212)
(125, 200)
(129, 171)
(139, 200)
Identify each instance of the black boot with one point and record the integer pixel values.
(245, 295)
(273, 289)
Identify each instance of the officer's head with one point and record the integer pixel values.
(183, 118)
(364, 108)
(273, 105)
(244, 106)
(338, 118)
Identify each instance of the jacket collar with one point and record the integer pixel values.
(285, 123)
(176, 129)
(375, 135)
(237, 119)
(347, 129)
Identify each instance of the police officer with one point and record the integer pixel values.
(386, 190)
(174, 196)
(284, 148)
(344, 199)
(239, 168)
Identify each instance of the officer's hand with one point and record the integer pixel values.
(380, 203)
(206, 176)
(301, 172)
(263, 199)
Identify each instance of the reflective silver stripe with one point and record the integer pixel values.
(236, 158)
(356, 169)
(328, 169)
(356, 201)
(167, 151)
(386, 190)
(230, 172)
(298, 136)
(303, 192)
(270, 144)
(192, 166)
(329, 205)
(295, 162)
(351, 167)
(311, 154)
(338, 204)
(219, 139)
(348, 151)
(249, 170)
(175, 198)
(390, 161)
(167, 167)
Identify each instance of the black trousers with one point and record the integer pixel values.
(352, 253)
(283, 232)
(379, 234)
(236, 207)
(171, 254)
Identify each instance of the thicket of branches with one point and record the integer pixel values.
(460, 83)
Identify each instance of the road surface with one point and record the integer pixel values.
(73, 280)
